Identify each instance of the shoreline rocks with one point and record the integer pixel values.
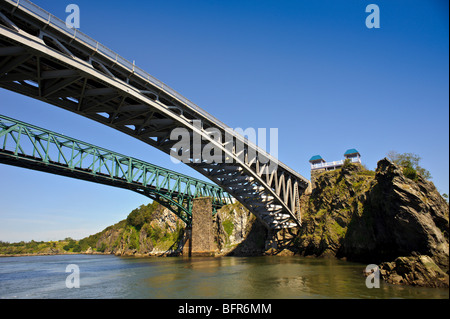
(416, 271)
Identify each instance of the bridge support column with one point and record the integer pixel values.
(201, 241)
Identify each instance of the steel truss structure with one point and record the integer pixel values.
(42, 58)
(29, 146)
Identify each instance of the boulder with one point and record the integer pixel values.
(416, 271)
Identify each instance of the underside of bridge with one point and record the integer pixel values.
(28, 146)
(40, 57)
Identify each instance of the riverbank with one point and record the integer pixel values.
(156, 254)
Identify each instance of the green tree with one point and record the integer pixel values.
(136, 218)
(71, 244)
(410, 163)
(139, 216)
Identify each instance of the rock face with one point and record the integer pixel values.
(415, 271)
(338, 196)
(400, 217)
(358, 215)
(238, 232)
(148, 230)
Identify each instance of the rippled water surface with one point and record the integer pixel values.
(105, 276)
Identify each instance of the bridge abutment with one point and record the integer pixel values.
(200, 240)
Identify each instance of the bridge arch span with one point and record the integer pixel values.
(76, 73)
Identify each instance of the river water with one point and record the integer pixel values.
(108, 276)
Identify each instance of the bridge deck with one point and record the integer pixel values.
(42, 58)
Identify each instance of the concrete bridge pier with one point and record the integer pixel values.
(200, 238)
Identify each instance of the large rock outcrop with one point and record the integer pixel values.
(375, 217)
(337, 198)
(400, 217)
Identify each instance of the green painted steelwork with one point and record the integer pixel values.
(29, 146)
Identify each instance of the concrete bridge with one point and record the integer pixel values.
(42, 58)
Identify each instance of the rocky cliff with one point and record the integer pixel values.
(377, 217)
(401, 217)
(148, 230)
(337, 198)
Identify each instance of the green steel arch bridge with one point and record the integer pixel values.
(32, 147)
(42, 58)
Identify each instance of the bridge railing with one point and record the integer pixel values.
(96, 46)
(334, 163)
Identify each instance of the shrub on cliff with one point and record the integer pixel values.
(410, 164)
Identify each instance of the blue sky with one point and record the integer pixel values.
(312, 69)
